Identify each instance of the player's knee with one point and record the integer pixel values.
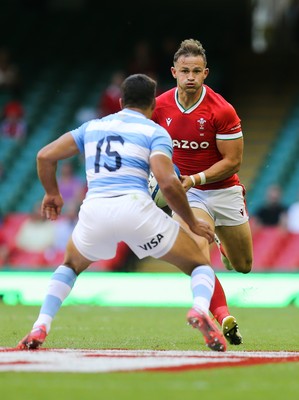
(243, 267)
(72, 263)
(68, 263)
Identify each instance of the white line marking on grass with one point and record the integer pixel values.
(99, 361)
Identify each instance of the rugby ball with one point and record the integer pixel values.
(155, 191)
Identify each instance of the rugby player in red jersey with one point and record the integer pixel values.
(208, 149)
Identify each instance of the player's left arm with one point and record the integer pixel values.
(230, 144)
(47, 159)
(232, 155)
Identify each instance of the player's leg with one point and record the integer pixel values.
(186, 256)
(60, 286)
(157, 235)
(218, 305)
(223, 255)
(201, 242)
(232, 226)
(237, 243)
(89, 240)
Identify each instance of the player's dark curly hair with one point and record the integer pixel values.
(190, 47)
(138, 90)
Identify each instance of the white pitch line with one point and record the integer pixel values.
(97, 361)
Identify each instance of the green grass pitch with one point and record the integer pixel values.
(93, 327)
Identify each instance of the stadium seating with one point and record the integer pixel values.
(274, 250)
(54, 95)
(10, 227)
(282, 159)
(269, 115)
(268, 243)
(19, 258)
(27, 260)
(288, 257)
(51, 100)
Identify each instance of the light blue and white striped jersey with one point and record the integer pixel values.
(117, 150)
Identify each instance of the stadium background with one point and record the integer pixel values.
(66, 51)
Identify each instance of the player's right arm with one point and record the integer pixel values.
(47, 159)
(174, 193)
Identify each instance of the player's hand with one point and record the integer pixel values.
(186, 182)
(51, 206)
(202, 228)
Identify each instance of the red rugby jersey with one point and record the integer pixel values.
(194, 131)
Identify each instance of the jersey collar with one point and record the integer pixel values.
(128, 111)
(190, 109)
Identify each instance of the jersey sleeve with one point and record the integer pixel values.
(228, 124)
(162, 142)
(78, 135)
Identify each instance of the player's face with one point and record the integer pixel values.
(190, 73)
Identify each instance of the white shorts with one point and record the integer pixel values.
(133, 219)
(226, 207)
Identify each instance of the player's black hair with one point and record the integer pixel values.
(190, 47)
(138, 90)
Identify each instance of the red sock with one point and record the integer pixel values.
(218, 306)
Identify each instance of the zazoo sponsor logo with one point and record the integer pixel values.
(101, 361)
(185, 144)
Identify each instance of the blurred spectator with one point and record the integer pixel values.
(72, 188)
(109, 100)
(41, 243)
(287, 27)
(292, 25)
(85, 114)
(294, 22)
(293, 218)
(142, 60)
(37, 240)
(168, 47)
(64, 226)
(273, 212)
(13, 123)
(36, 234)
(9, 73)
